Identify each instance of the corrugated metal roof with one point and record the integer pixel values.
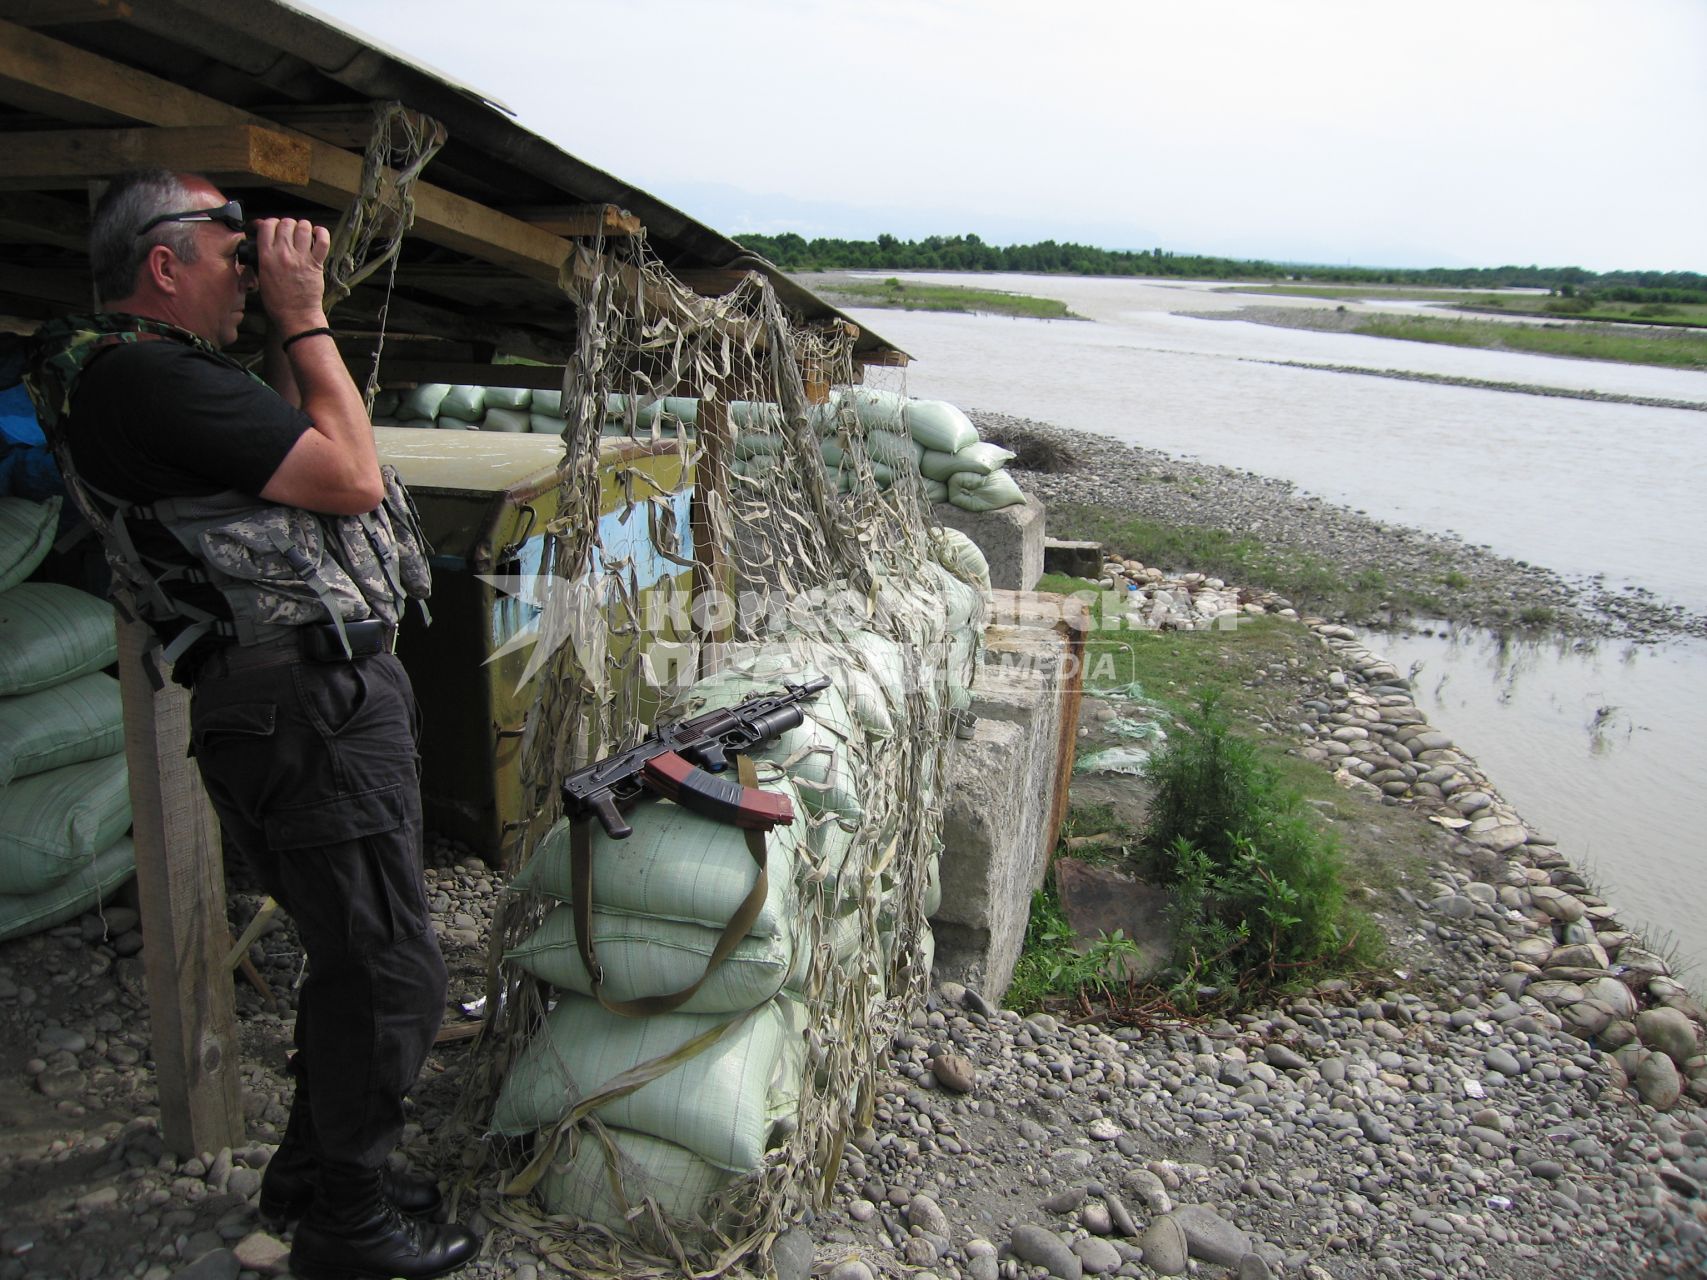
(289, 64)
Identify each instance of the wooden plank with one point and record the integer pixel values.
(32, 64)
(230, 155)
(579, 219)
(39, 73)
(53, 13)
(180, 881)
(69, 288)
(43, 220)
(713, 573)
(714, 282)
(884, 358)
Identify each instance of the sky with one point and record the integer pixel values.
(1446, 133)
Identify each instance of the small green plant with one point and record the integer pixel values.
(1536, 615)
(1050, 965)
(1258, 898)
(1454, 579)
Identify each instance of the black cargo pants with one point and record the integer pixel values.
(312, 769)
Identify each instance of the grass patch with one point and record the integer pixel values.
(1051, 967)
(910, 296)
(1582, 341)
(1305, 580)
(1543, 306)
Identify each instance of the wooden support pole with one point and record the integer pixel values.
(713, 581)
(180, 883)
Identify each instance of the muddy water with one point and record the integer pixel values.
(1605, 747)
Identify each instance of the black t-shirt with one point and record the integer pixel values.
(155, 420)
(152, 420)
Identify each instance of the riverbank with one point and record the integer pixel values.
(1268, 532)
(1673, 348)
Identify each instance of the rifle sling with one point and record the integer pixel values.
(581, 908)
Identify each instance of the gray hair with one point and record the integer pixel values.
(116, 251)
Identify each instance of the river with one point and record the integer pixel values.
(1601, 746)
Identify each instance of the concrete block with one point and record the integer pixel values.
(993, 856)
(1075, 559)
(1005, 786)
(1011, 539)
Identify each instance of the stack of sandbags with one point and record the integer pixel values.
(470, 408)
(930, 437)
(661, 901)
(724, 1072)
(64, 789)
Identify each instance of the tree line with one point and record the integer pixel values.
(793, 252)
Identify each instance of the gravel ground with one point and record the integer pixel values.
(1520, 1098)
(1065, 466)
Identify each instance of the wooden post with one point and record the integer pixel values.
(713, 581)
(180, 882)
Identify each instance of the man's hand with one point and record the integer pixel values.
(333, 467)
(292, 257)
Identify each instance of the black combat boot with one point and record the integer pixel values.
(293, 1174)
(352, 1232)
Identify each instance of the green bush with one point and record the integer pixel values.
(1258, 899)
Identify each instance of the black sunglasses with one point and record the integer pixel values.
(230, 213)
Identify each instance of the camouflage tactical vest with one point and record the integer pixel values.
(276, 566)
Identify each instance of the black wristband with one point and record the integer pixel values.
(306, 333)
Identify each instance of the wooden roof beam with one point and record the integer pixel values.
(568, 221)
(230, 155)
(54, 13)
(34, 67)
(43, 220)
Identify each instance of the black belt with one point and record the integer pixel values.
(316, 642)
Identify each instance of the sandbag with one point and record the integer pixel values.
(82, 719)
(936, 491)
(750, 442)
(758, 416)
(893, 449)
(547, 402)
(961, 601)
(54, 823)
(820, 754)
(448, 423)
(385, 404)
(875, 408)
(981, 459)
(643, 956)
(422, 402)
(938, 425)
(672, 1176)
(961, 556)
(714, 1103)
(27, 531)
(545, 424)
(465, 402)
(833, 454)
(676, 866)
(972, 492)
(51, 633)
(506, 420)
(511, 398)
(24, 914)
(416, 424)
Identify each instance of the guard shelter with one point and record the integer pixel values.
(287, 110)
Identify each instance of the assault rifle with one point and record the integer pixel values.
(680, 760)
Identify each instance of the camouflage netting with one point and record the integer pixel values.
(684, 1143)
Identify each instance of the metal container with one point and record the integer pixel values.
(486, 501)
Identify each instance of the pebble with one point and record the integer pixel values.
(1042, 1247)
(1165, 1248)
